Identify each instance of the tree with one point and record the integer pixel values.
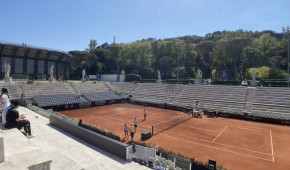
(227, 50)
(92, 45)
(166, 64)
(228, 54)
(205, 49)
(259, 52)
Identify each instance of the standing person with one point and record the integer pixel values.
(4, 103)
(145, 114)
(14, 120)
(135, 124)
(132, 130)
(126, 129)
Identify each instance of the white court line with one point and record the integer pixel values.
(219, 148)
(206, 145)
(197, 128)
(144, 127)
(272, 145)
(240, 127)
(219, 134)
(219, 143)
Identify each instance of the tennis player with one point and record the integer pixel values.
(126, 129)
(132, 130)
(135, 124)
(145, 114)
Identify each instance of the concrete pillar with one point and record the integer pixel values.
(2, 156)
(24, 65)
(56, 70)
(46, 67)
(35, 68)
(12, 72)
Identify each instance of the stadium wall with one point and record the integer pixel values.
(112, 77)
(110, 145)
(33, 61)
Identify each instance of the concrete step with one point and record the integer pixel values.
(61, 161)
(15, 142)
(24, 159)
(130, 165)
(9, 165)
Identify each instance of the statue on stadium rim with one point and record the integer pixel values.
(159, 77)
(199, 76)
(83, 74)
(7, 70)
(51, 71)
(253, 74)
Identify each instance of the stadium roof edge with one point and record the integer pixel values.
(67, 55)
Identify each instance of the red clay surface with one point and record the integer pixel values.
(234, 144)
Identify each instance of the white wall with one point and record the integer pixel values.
(111, 77)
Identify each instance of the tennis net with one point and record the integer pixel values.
(160, 127)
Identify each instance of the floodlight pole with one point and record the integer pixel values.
(178, 45)
(286, 31)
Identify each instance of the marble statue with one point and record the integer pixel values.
(51, 71)
(7, 70)
(199, 76)
(253, 74)
(83, 74)
(51, 79)
(253, 82)
(7, 67)
(159, 77)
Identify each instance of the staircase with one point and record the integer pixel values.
(177, 95)
(249, 99)
(74, 90)
(15, 91)
(134, 88)
(71, 89)
(111, 88)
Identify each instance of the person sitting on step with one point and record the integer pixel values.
(15, 120)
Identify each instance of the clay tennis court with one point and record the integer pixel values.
(234, 144)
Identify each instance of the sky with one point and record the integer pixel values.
(68, 25)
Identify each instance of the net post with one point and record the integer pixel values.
(152, 130)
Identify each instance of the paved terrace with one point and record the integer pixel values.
(51, 143)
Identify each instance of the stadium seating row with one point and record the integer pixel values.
(100, 96)
(57, 99)
(233, 99)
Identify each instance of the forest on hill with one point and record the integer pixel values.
(239, 51)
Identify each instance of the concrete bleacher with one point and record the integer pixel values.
(213, 97)
(13, 90)
(100, 96)
(123, 88)
(64, 150)
(31, 90)
(269, 99)
(88, 87)
(57, 99)
(155, 92)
